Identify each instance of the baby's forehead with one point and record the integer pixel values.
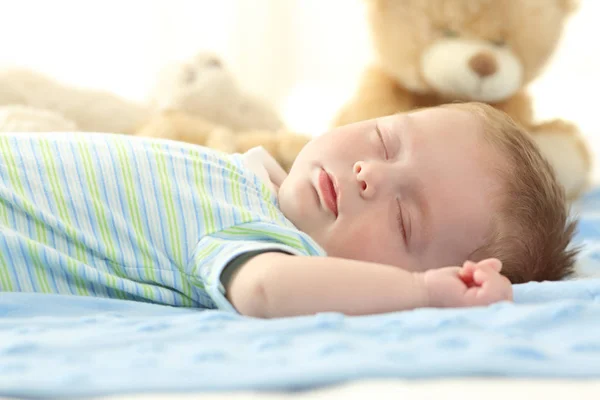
(457, 129)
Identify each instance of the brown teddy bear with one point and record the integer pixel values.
(430, 52)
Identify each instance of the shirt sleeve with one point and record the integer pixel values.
(237, 262)
(213, 254)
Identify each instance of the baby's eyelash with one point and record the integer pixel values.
(385, 152)
(401, 221)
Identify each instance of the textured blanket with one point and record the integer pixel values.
(58, 346)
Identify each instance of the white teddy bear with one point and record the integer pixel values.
(18, 118)
(204, 87)
(90, 110)
(201, 87)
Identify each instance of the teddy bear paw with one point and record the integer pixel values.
(568, 154)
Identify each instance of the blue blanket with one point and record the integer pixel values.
(57, 346)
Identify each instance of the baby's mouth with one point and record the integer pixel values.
(328, 192)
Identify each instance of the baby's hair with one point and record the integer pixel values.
(532, 231)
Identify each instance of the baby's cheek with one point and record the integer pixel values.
(368, 242)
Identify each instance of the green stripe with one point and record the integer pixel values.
(7, 151)
(207, 212)
(4, 275)
(166, 190)
(100, 215)
(38, 265)
(80, 284)
(266, 194)
(187, 289)
(236, 231)
(54, 180)
(7, 284)
(134, 209)
(202, 255)
(168, 201)
(41, 232)
(61, 203)
(237, 195)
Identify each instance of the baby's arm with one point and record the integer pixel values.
(278, 285)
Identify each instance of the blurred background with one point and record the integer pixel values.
(304, 56)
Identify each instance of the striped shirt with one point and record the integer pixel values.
(131, 218)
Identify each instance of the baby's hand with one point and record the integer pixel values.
(473, 284)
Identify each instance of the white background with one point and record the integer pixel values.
(303, 55)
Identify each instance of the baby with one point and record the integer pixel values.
(423, 209)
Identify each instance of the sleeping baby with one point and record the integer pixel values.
(440, 207)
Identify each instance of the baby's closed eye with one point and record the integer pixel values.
(403, 222)
(382, 141)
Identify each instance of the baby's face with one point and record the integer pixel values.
(410, 190)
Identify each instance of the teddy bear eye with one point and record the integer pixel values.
(498, 42)
(450, 33)
(189, 75)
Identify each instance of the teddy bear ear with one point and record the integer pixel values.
(570, 6)
(379, 3)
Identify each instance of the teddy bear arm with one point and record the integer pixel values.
(284, 147)
(566, 150)
(378, 95)
(176, 125)
(19, 118)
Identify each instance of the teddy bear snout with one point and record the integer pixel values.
(483, 64)
(213, 62)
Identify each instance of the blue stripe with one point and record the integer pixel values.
(144, 215)
(88, 198)
(10, 260)
(180, 165)
(153, 175)
(52, 240)
(33, 280)
(60, 164)
(100, 174)
(178, 206)
(209, 179)
(31, 224)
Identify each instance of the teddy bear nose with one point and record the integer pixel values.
(213, 62)
(483, 64)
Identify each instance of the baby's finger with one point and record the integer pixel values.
(491, 262)
(489, 287)
(466, 272)
(468, 268)
(496, 289)
(483, 274)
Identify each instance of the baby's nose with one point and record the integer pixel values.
(363, 174)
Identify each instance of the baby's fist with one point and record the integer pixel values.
(473, 284)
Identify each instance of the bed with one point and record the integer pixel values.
(545, 344)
